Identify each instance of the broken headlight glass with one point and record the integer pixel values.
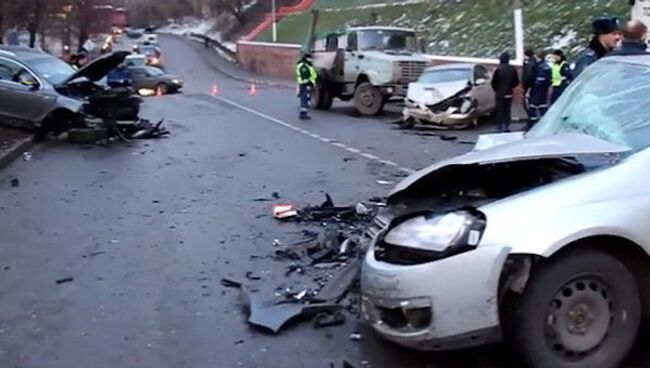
(439, 233)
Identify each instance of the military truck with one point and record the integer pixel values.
(369, 65)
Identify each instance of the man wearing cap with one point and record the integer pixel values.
(306, 79)
(606, 36)
(560, 75)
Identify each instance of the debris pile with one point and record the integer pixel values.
(331, 259)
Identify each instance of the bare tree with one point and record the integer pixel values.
(233, 7)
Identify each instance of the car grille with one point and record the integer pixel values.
(410, 71)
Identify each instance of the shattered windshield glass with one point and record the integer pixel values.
(446, 76)
(52, 69)
(608, 101)
(387, 40)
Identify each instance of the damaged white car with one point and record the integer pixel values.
(451, 96)
(541, 239)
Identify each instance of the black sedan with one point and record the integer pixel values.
(150, 79)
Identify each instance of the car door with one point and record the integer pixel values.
(22, 99)
(140, 78)
(482, 90)
(351, 63)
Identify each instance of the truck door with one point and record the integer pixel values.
(351, 64)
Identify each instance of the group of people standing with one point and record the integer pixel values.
(543, 82)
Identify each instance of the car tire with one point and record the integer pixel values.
(579, 310)
(368, 99)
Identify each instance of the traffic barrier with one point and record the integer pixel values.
(214, 90)
(252, 91)
(159, 91)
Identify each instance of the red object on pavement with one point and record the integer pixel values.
(252, 91)
(215, 90)
(159, 92)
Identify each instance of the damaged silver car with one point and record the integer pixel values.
(540, 239)
(452, 96)
(42, 93)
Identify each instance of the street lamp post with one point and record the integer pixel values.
(275, 23)
(519, 30)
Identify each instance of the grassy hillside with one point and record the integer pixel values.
(481, 28)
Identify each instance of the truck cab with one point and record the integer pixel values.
(369, 65)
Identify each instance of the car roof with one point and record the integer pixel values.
(451, 66)
(22, 53)
(380, 28)
(630, 59)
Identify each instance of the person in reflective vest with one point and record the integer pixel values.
(306, 79)
(538, 97)
(561, 75)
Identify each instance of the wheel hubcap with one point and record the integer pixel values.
(367, 98)
(579, 318)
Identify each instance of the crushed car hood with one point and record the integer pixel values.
(521, 149)
(99, 68)
(431, 94)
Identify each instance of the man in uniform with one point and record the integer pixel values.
(539, 90)
(306, 78)
(606, 36)
(560, 75)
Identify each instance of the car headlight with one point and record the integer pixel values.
(177, 81)
(438, 233)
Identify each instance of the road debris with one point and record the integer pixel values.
(284, 211)
(355, 336)
(15, 182)
(64, 280)
(384, 182)
(252, 277)
(329, 319)
(27, 156)
(230, 283)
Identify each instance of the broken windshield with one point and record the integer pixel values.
(609, 102)
(387, 40)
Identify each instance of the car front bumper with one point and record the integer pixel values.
(446, 119)
(447, 304)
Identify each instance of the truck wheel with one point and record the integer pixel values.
(326, 99)
(368, 99)
(320, 98)
(580, 310)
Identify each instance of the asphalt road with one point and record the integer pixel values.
(146, 230)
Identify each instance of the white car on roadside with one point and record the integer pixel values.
(449, 96)
(540, 238)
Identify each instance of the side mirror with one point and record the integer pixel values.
(480, 81)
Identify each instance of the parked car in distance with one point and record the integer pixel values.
(133, 33)
(541, 238)
(154, 79)
(135, 60)
(151, 51)
(451, 96)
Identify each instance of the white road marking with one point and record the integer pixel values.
(307, 133)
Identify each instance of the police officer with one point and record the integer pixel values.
(306, 78)
(606, 36)
(561, 75)
(538, 96)
(528, 76)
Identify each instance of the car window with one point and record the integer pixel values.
(154, 72)
(445, 75)
(608, 101)
(352, 41)
(52, 69)
(481, 72)
(14, 72)
(8, 70)
(138, 73)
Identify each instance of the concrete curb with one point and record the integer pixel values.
(10, 155)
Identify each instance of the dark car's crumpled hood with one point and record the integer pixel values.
(99, 68)
(520, 149)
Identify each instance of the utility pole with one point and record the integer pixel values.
(275, 21)
(519, 30)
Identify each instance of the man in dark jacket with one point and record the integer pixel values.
(634, 36)
(606, 36)
(504, 81)
(528, 76)
(539, 91)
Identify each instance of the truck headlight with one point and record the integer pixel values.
(438, 233)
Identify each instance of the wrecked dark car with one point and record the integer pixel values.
(541, 238)
(44, 94)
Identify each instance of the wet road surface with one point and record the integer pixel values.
(144, 232)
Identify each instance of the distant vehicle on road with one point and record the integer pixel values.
(150, 38)
(452, 96)
(540, 238)
(150, 78)
(134, 33)
(368, 65)
(136, 60)
(151, 52)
